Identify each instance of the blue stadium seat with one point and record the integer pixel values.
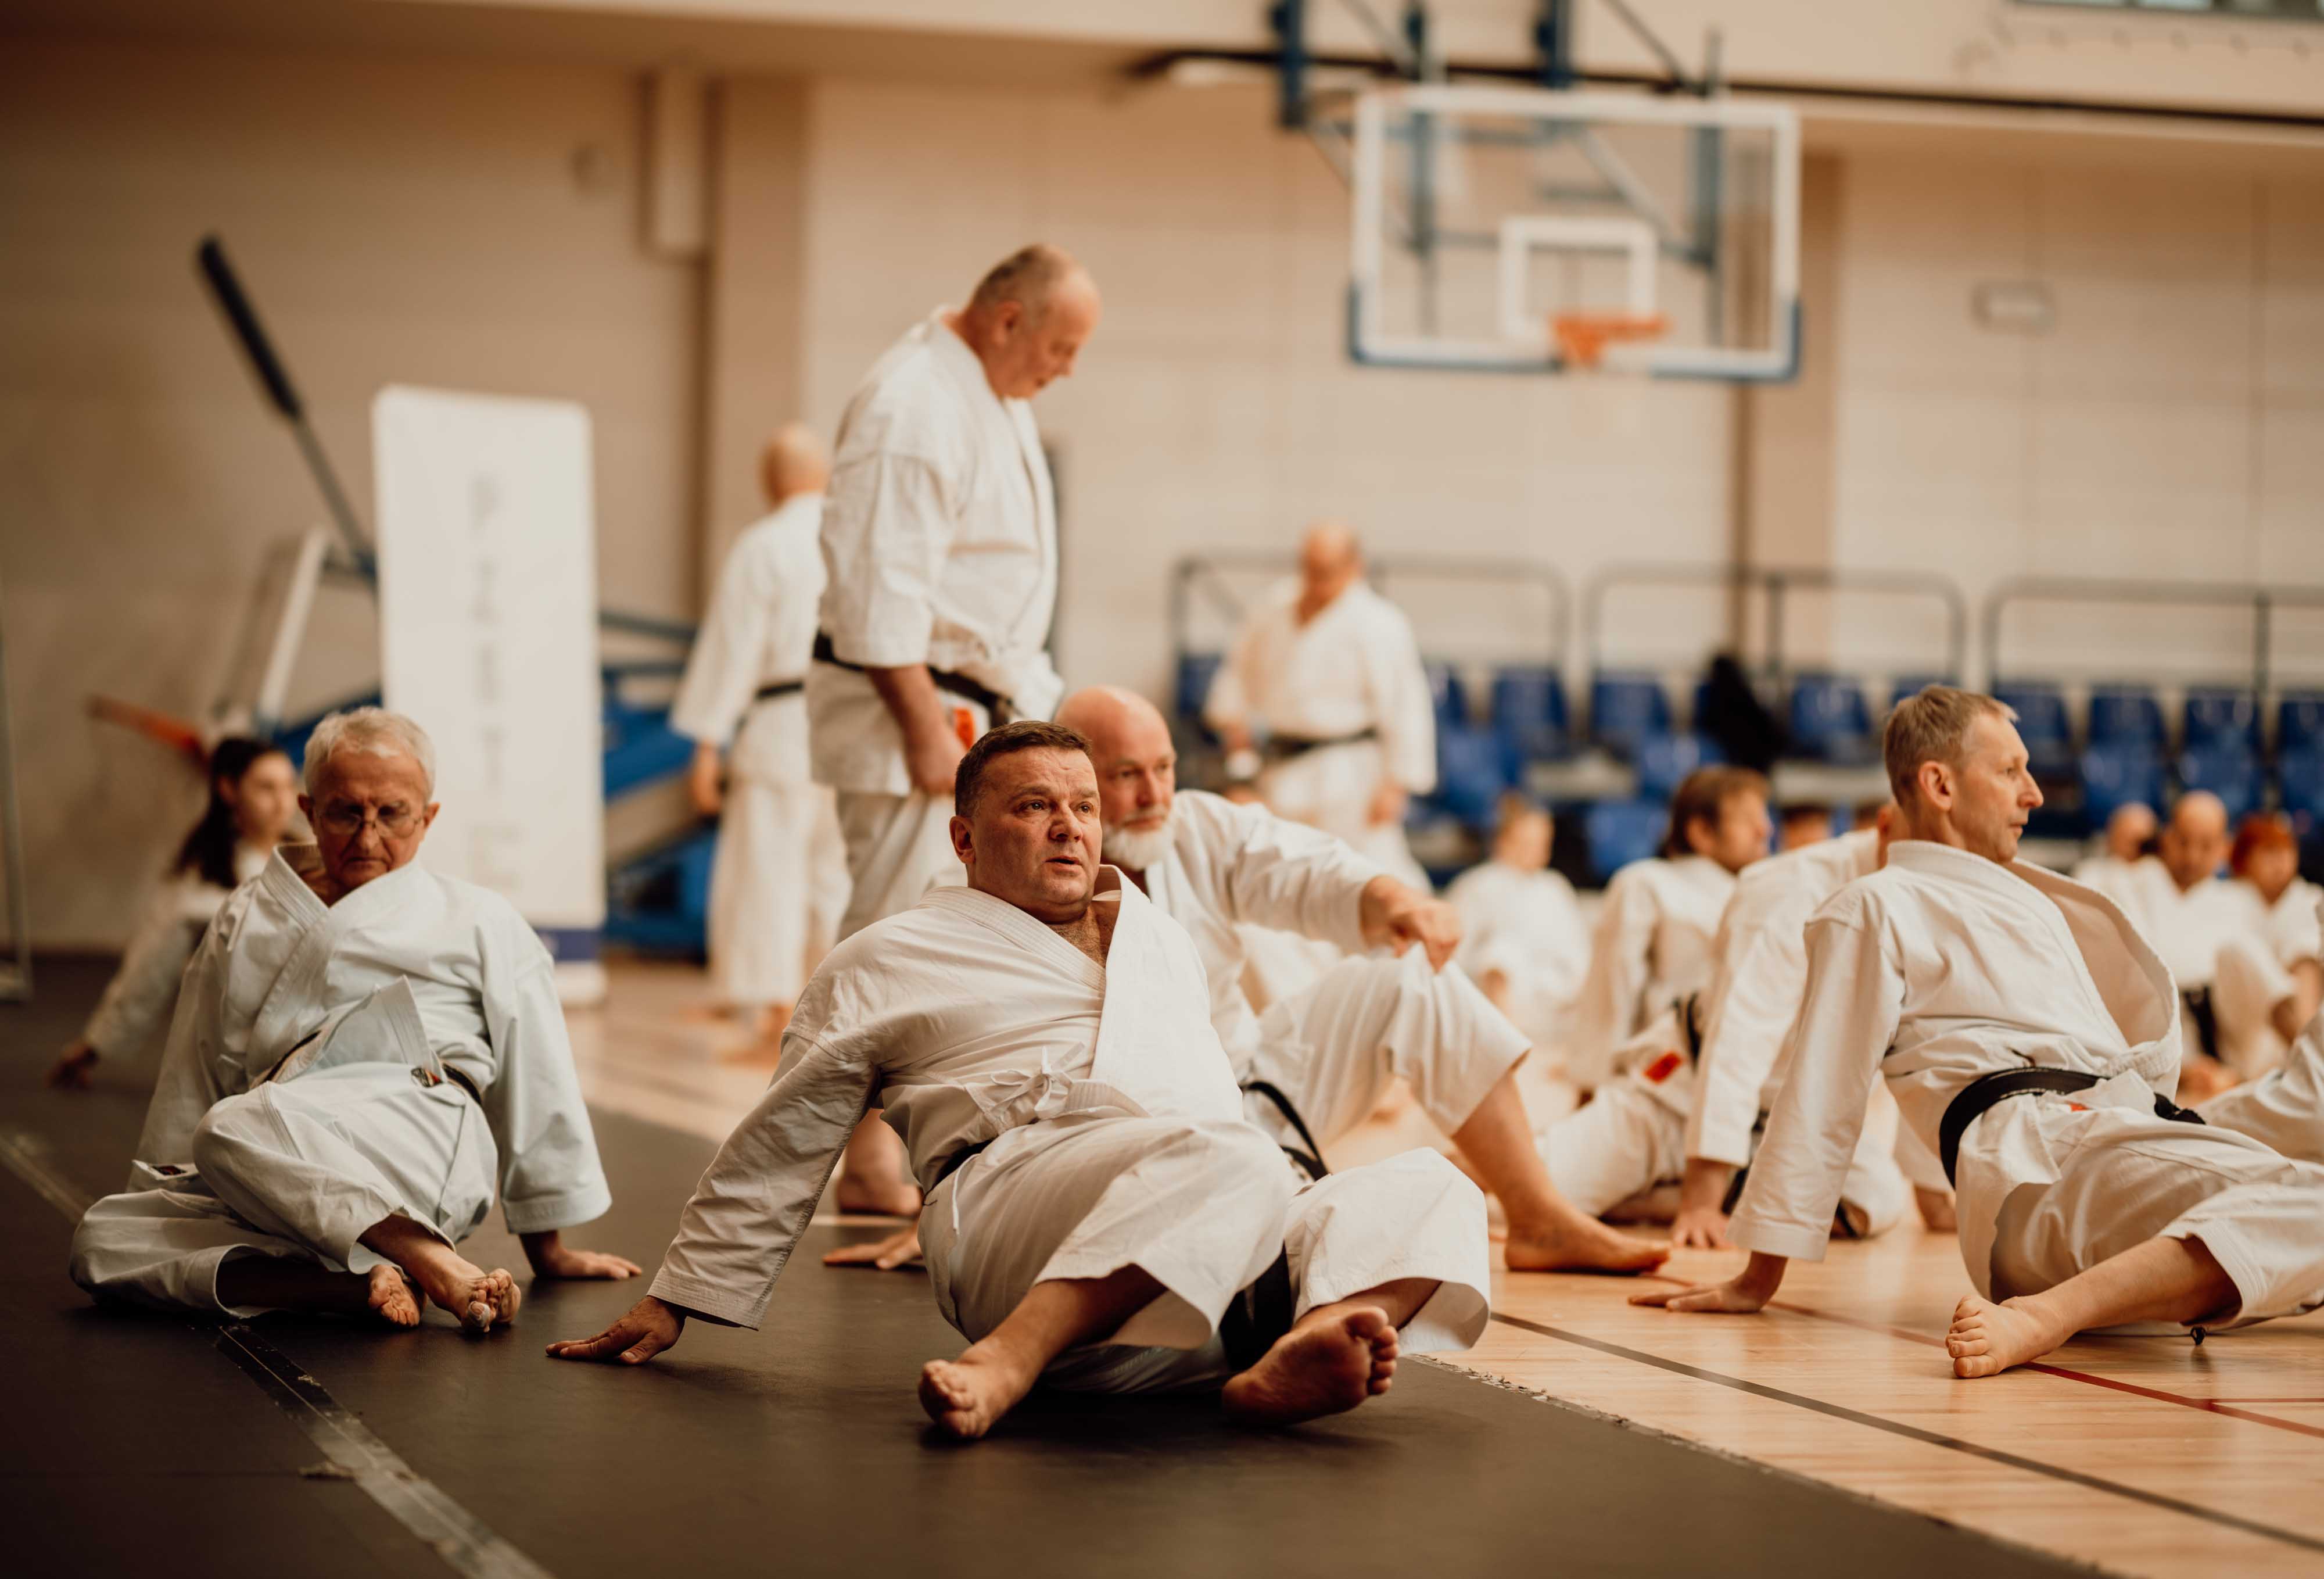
(2116, 773)
(2125, 712)
(1447, 692)
(1472, 771)
(2299, 780)
(1195, 672)
(1829, 720)
(1627, 708)
(2298, 722)
(2222, 714)
(1529, 712)
(1664, 760)
(2042, 723)
(1622, 831)
(2228, 768)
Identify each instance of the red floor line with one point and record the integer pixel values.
(2208, 1405)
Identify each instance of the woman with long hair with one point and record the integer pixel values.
(253, 796)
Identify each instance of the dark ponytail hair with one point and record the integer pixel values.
(209, 847)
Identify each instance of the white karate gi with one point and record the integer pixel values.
(2254, 975)
(1665, 1104)
(1943, 966)
(2114, 877)
(1354, 667)
(1334, 1047)
(1652, 946)
(779, 884)
(135, 1011)
(1529, 926)
(2214, 935)
(1116, 1139)
(249, 1150)
(940, 535)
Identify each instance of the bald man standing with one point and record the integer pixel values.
(940, 537)
(780, 882)
(1325, 686)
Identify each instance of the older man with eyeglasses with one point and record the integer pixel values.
(364, 1055)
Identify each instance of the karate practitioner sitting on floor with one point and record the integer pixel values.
(1660, 917)
(1523, 940)
(2031, 1037)
(2129, 833)
(779, 884)
(1101, 1215)
(364, 1053)
(2281, 967)
(2211, 933)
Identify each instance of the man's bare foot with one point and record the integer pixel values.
(389, 1297)
(1320, 1367)
(452, 1283)
(876, 1197)
(965, 1397)
(1988, 1338)
(1582, 1244)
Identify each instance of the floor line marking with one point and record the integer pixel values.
(1918, 1434)
(2225, 1407)
(456, 1535)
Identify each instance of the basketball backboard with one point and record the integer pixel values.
(1483, 215)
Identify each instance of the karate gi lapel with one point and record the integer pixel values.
(294, 1002)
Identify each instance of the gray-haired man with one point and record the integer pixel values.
(365, 1054)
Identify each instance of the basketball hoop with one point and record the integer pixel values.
(1582, 336)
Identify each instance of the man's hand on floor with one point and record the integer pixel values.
(651, 1326)
(551, 1256)
(900, 1249)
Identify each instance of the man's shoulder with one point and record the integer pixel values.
(909, 395)
(1203, 817)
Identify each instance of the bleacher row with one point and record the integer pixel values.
(2122, 752)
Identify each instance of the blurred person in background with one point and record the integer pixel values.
(1523, 939)
(2129, 839)
(1323, 700)
(2270, 983)
(2195, 918)
(254, 799)
(1805, 823)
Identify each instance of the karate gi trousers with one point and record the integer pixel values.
(1333, 1048)
(2067, 1182)
(1632, 1137)
(1204, 1207)
(898, 846)
(778, 887)
(297, 1168)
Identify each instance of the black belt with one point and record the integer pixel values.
(465, 1084)
(1987, 1091)
(1282, 748)
(2198, 1011)
(997, 709)
(779, 687)
(1311, 1161)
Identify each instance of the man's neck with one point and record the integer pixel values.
(1092, 931)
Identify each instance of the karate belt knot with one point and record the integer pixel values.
(1989, 1091)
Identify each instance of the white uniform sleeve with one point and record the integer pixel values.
(550, 1176)
(887, 527)
(136, 1003)
(722, 673)
(746, 1216)
(1847, 1023)
(1280, 874)
(187, 1086)
(1749, 1026)
(1619, 967)
(1401, 703)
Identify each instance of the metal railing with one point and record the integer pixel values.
(1203, 575)
(2263, 601)
(1776, 584)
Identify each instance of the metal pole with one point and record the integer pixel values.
(2262, 608)
(1289, 18)
(1775, 585)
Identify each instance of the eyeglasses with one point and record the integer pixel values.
(395, 821)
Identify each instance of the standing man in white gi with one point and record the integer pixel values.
(2030, 1037)
(1325, 687)
(1101, 1216)
(365, 1056)
(940, 535)
(780, 882)
(1332, 1048)
(1653, 944)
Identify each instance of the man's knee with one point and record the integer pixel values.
(229, 1135)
